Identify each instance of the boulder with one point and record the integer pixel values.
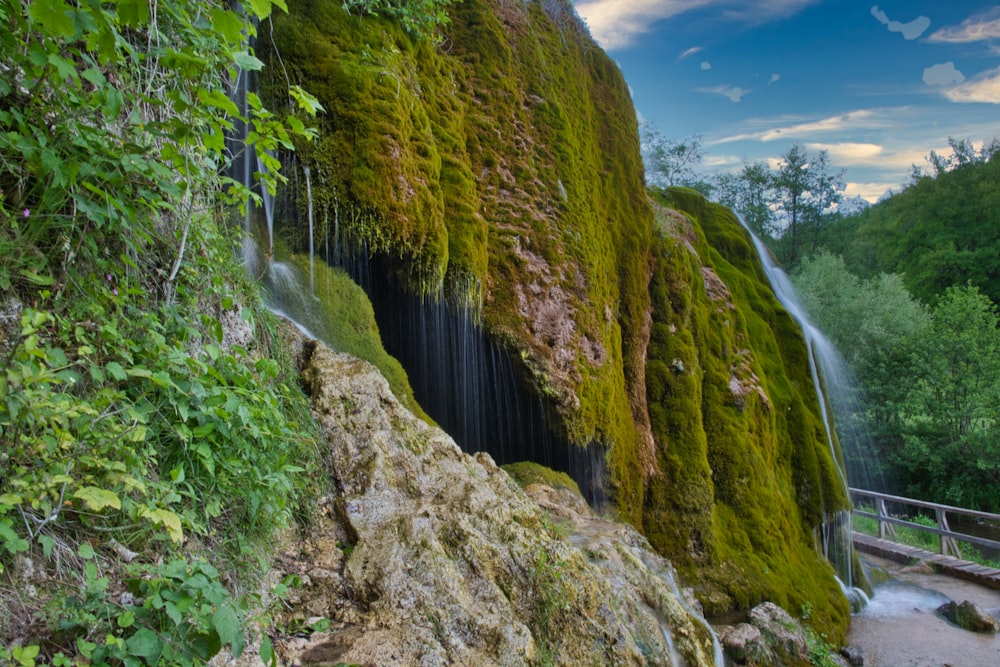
(969, 616)
(742, 642)
(783, 634)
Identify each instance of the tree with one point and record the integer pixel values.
(825, 193)
(951, 447)
(748, 192)
(791, 182)
(670, 162)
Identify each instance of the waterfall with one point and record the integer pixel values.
(836, 390)
(469, 384)
(312, 249)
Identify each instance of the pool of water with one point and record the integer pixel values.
(899, 627)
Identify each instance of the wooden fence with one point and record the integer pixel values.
(947, 538)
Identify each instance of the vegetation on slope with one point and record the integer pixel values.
(146, 429)
(942, 230)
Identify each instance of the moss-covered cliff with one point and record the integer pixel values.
(747, 473)
(500, 170)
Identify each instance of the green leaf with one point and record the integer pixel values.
(85, 551)
(305, 100)
(115, 371)
(227, 624)
(97, 499)
(65, 68)
(206, 644)
(54, 16)
(217, 99)
(47, 545)
(11, 499)
(25, 655)
(146, 644)
(228, 24)
(133, 13)
(168, 520)
(260, 8)
(266, 653)
(247, 61)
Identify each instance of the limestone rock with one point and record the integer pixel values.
(429, 556)
(969, 616)
(782, 632)
(742, 642)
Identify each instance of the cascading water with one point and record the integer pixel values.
(835, 387)
(312, 246)
(468, 383)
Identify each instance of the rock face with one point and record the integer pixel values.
(970, 616)
(502, 175)
(429, 556)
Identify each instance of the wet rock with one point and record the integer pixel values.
(969, 616)
(853, 655)
(426, 555)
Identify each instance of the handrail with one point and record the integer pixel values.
(925, 503)
(947, 538)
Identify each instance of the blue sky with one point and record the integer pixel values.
(878, 86)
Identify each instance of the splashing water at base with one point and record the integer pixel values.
(900, 627)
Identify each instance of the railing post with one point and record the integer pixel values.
(947, 544)
(884, 528)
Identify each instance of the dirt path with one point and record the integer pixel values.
(900, 629)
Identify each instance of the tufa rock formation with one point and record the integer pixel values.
(499, 172)
(426, 555)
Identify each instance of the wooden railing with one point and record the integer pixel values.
(947, 538)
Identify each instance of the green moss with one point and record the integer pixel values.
(526, 472)
(337, 311)
(508, 158)
(747, 472)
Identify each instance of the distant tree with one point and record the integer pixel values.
(963, 153)
(825, 192)
(671, 162)
(748, 192)
(791, 186)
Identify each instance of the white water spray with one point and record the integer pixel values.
(825, 364)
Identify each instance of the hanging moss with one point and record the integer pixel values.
(500, 170)
(747, 472)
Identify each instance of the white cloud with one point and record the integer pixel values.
(943, 74)
(846, 152)
(852, 120)
(734, 93)
(689, 52)
(615, 24)
(977, 28)
(774, 79)
(706, 65)
(984, 87)
(910, 30)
